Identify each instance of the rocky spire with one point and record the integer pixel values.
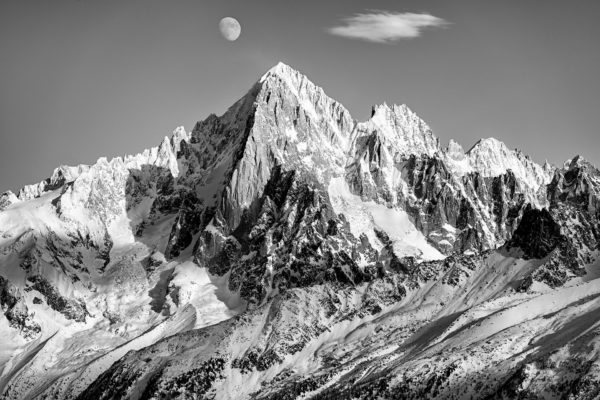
(402, 129)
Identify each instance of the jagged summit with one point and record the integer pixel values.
(579, 162)
(491, 157)
(488, 143)
(280, 69)
(298, 83)
(407, 133)
(400, 128)
(454, 148)
(288, 96)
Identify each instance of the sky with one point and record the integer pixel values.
(81, 79)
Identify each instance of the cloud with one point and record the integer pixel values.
(385, 26)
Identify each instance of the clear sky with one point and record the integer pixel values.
(80, 79)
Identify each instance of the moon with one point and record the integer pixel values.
(230, 28)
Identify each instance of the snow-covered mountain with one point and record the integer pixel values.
(285, 250)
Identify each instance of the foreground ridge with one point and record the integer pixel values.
(286, 250)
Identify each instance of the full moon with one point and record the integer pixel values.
(230, 28)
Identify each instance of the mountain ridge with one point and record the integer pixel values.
(269, 251)
(282, 70)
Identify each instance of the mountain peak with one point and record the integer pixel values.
(490, 143)
(491, 157)
(397, 109)
(576, 161)
(287, 74)
(579, 162)
(455, 151)
(280, 68)
(402, 128)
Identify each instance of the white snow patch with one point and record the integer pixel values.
(365, 217)
(302, 147)
(207, 295)
(292, 134)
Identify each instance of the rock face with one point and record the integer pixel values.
(286, 250)
(15, 309)
(537, 234)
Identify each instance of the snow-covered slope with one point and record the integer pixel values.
(286, 250)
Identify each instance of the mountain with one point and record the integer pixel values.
(285, 250)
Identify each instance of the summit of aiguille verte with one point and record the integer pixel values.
(285, 250)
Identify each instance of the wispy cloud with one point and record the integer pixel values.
(385, 26)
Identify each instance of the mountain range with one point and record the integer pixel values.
(285, 250)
